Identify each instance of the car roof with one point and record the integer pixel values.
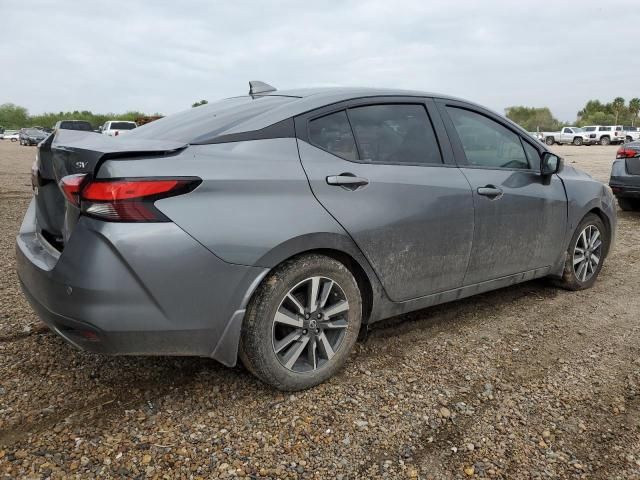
(307, 99)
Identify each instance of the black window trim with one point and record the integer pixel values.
(456, 143)
(302, 125)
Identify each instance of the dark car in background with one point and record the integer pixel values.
(625, 176)
(272, 227)
(31, 136)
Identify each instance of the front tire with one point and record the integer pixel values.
(577, 141)
(301, 323)
(585, 255)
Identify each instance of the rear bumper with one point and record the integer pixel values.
(625, 191)
(135, 289)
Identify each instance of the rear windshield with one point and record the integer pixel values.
(210, 119)
(122, 126)
(76, 125)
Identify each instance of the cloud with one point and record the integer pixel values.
(161, 56)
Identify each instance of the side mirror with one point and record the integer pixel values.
(550, 164)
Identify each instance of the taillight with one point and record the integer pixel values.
(124, 200)
(627, 153)
(70, 186)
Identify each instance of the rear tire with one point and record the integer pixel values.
(291, 336)
(605, 141)
(629, 139)
(577, 141)
(589, 243)
(629, 204)
(549, 141)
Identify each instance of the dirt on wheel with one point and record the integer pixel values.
(525, 382)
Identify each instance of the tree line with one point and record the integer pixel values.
(616, 112)
(14, 116)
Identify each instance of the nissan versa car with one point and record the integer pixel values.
(272, 227)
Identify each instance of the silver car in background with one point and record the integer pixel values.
(273, 227)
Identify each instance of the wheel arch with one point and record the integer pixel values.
(338, 247)
(607, 223)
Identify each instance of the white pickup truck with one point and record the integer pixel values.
(631, 134)
(573, 135)
(113, 128)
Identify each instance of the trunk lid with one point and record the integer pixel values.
(69, 152)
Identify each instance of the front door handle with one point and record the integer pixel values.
(490, 191)
(347, 180)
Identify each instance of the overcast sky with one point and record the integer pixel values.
(161, 56)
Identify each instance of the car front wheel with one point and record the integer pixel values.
(301, 323)
(585, 255)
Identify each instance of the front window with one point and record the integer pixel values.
(487, 143)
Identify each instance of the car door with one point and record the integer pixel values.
(380, 169)
(520, 215)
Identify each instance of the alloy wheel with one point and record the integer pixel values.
(310, 324)
(587, 253)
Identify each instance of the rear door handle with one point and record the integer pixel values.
(490, 191)
(347, 180)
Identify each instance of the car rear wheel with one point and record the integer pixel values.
(585, 255)
(629, 204)
(301, 323)
(629, 139)
(605, 141)
(577, 141)
(549, 140)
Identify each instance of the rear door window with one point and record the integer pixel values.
(395, 134)
(333, 134)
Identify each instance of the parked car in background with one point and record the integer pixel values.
(631, 134)
(270, 227)
(12, 135)
(625, 176)
(31, 136)
(113, 128)
(73, 125)
(572, 135)
(605, 134)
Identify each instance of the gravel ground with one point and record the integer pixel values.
(526, 382)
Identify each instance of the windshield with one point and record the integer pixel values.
(34, 131)
(209, 119)
(122, 126)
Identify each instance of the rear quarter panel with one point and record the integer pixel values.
(254, 206)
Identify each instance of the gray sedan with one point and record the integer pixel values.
(274, 227)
